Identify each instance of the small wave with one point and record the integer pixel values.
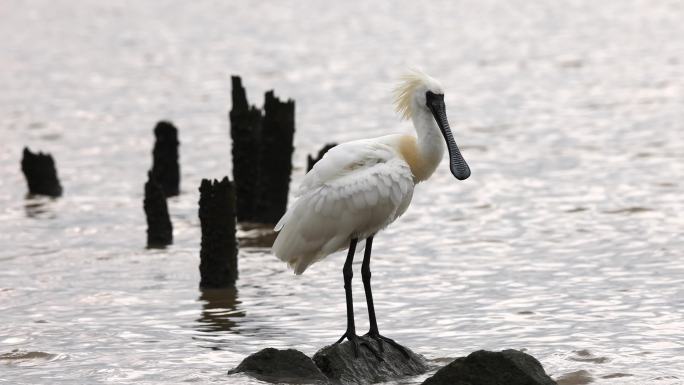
(629, 210)
(586, 356)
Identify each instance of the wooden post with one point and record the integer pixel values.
(276, 149)
(219, 249)
(165, 168)
(159, 227)
(310, 160)
(41, 174)
(245, 132)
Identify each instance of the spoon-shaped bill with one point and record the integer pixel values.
(459, 167)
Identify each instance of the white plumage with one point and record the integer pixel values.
(360, 187)
(357, 189)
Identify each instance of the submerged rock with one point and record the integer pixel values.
(508, 367)
(580, 377)
(339, 363)
(278, 366)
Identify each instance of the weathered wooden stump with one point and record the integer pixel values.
(165, 167)
(218, 253)
(262, 155)
(245, 132)
(310, 160)
(41, 174)
(276, 148)
(159, 227)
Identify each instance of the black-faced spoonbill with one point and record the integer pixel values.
(360, 187)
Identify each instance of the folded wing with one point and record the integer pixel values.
(357, 189)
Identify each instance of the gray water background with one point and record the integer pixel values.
(566, 241)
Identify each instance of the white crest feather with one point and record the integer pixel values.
(403, 94)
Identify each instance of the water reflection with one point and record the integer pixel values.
(39, 207)
(219, 310)
(256, 235)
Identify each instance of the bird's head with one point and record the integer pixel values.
(419, 95)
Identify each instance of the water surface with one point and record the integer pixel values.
(566, 240)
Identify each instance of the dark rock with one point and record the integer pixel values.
(281, 366)
(275, 162)
(165, 168)
(310, 160)
(41, 174)
(338, 363)
(159, 228)
(245, 132)
(508, 367)
(218, 253)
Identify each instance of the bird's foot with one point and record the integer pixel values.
(356, 342)
(380, 338)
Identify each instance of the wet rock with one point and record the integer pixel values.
(159, 228)
(218, 252)
(165, 168)
(339, 364)
(508, 367)
(281, 366)
(310, 160)
(41, 174)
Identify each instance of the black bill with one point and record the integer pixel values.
(459, 167)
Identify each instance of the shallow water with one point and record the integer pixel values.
(566, 241)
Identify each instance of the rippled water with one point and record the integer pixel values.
(566, 241)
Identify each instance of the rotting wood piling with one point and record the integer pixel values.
(41, 173)
(262, 154)
(219, 248)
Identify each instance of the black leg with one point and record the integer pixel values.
(350, 334)
(348, 274)
(366, 277)
(374, 333)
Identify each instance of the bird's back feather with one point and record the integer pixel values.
(357, 189)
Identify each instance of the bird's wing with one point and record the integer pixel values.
(345, 159)
(374, 183)
(352, 178)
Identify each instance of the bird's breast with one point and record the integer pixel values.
(421, 167)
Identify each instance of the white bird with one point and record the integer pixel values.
(358, 188)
